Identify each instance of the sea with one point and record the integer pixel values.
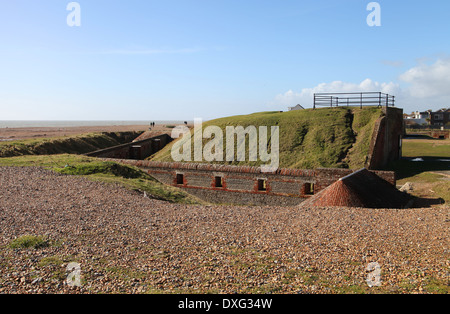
(70, 123)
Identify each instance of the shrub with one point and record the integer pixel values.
(29, 241)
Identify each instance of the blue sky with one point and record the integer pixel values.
(182, 59)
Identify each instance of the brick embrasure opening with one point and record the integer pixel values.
(262, 185)
(180, 178)
(308, 189)
(218, 182)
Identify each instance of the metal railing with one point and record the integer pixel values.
(353, 99)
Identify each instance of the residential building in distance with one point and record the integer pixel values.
(418, 117)
(298, 107)
(440, 117)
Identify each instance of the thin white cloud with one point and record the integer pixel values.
(392, 63)
(153, 51)
(427, 87)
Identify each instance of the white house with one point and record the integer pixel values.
(419, 117)
(298, 107)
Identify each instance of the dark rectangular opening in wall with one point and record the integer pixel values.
(180, 178)
(262, 185)
(218, 182)
(309, 189)
(136, 152)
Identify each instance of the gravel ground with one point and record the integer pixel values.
(126, 243)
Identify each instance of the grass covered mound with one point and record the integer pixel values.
(328, 137)
(111, 172)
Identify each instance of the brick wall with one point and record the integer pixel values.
(440, 134)
(134, 150)
(385, 145)
(245, 185)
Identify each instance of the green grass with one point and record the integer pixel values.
(429, 184)
(338, 137)
(363, 125)
(110, 172)
(437, 287)
(29, 241)
(427, 148)
(79, 144)
(51, 261)
(428, 175)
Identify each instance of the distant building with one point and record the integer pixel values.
(418, 117)
(440, 117)
(298, 107)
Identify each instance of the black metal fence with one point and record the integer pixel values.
(353, 99)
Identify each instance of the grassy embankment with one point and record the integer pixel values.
(79, 144)
(430, 177)
(109, 172)
(338, 137)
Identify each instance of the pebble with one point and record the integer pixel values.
(109, 232)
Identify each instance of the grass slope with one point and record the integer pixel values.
(110, 172)
(80, 144)
(337, 137)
